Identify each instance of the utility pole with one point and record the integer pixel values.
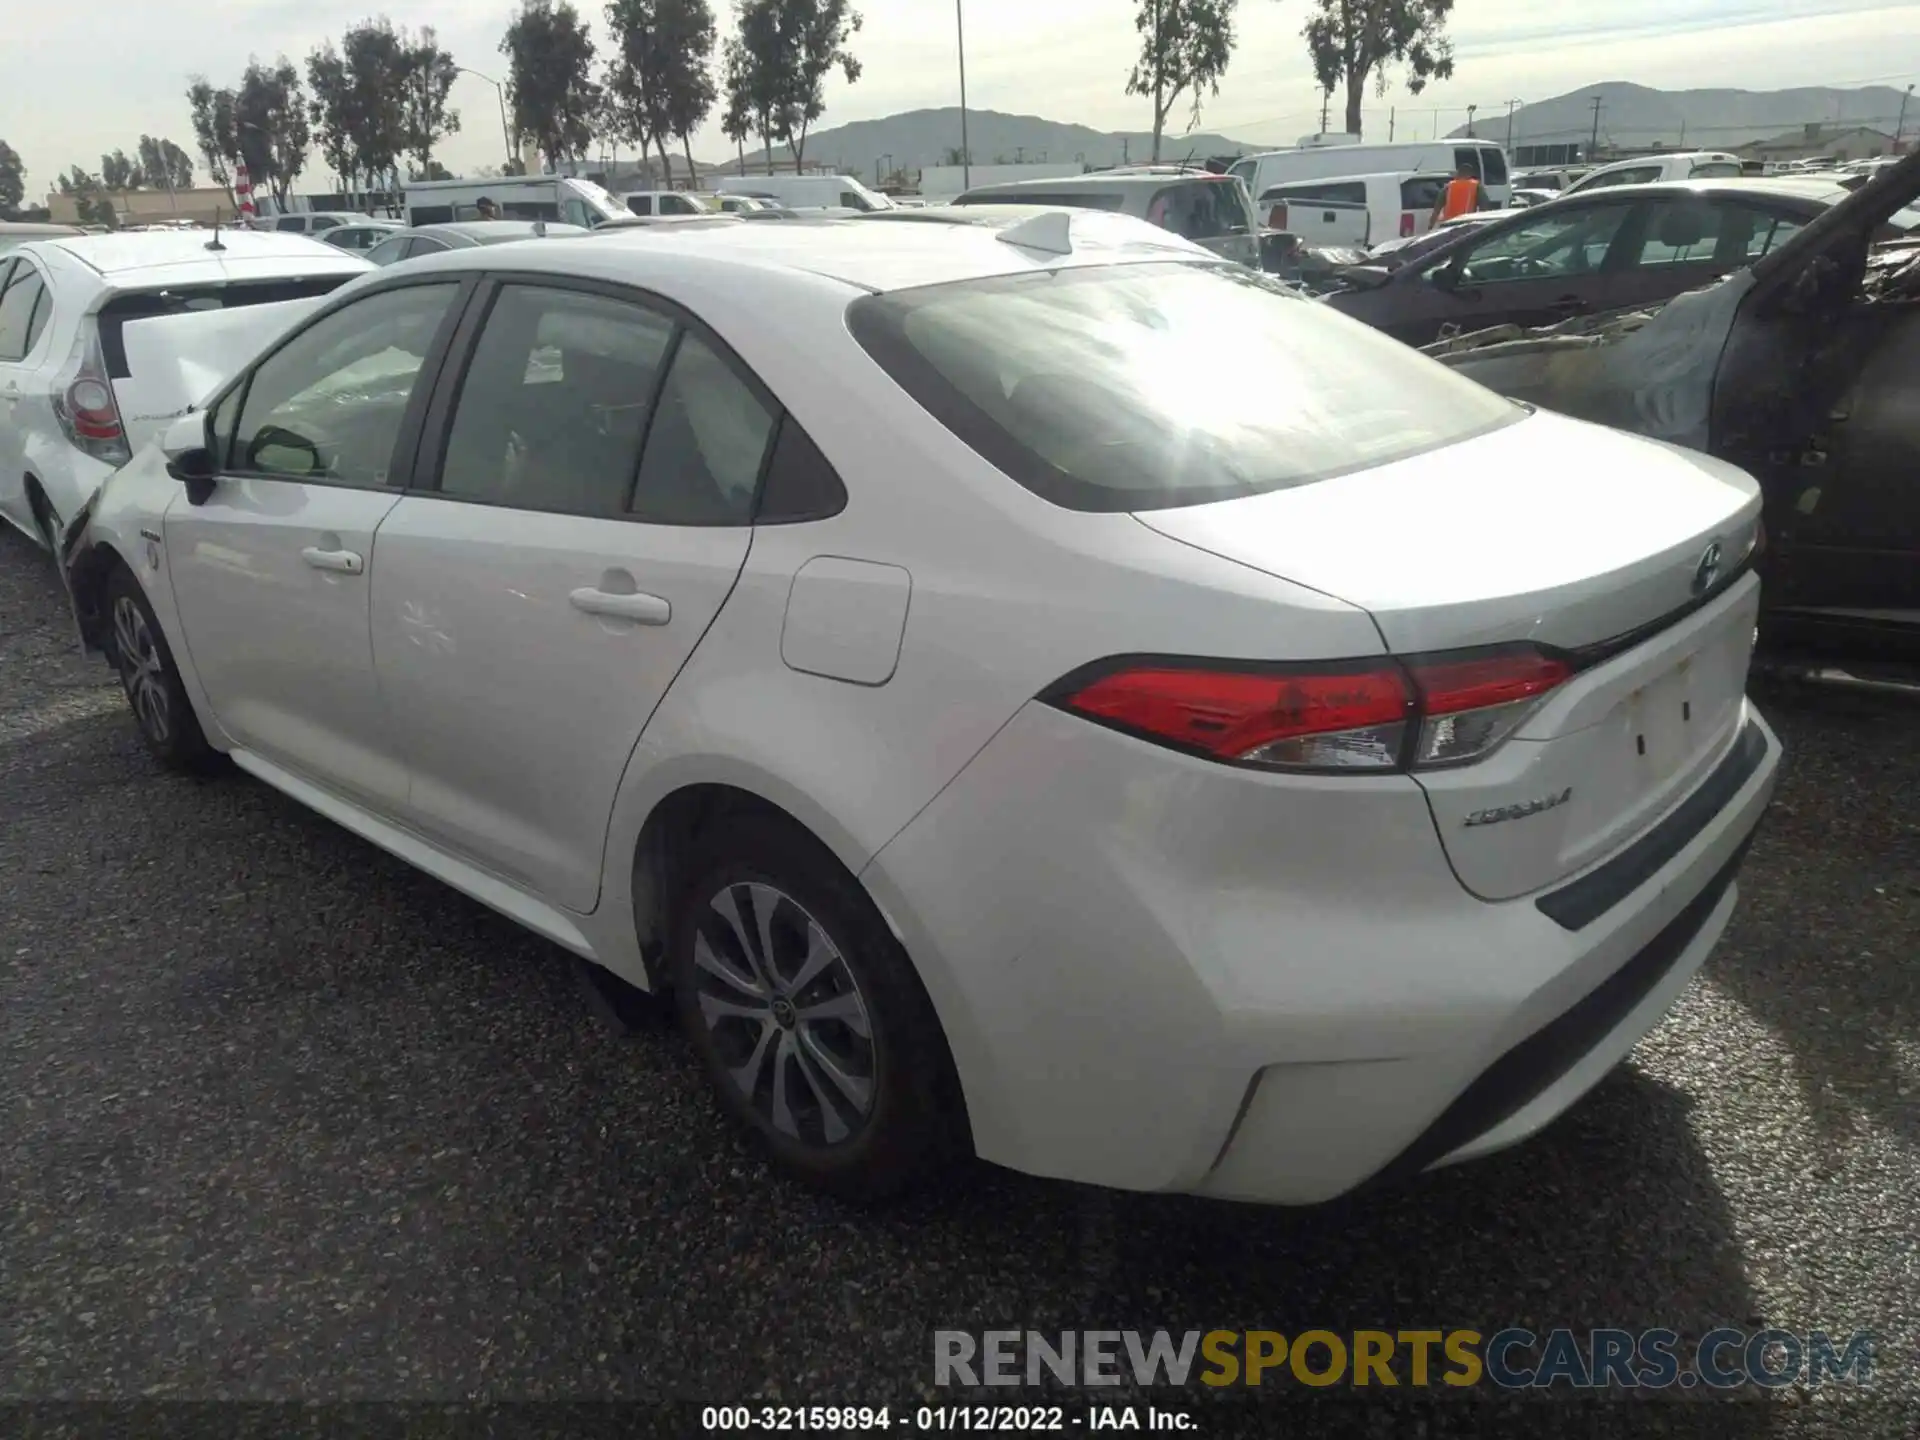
(966, 155)
(1470, 110)
(1392, 115)
(1512, 105)
(1594, 143)
(1901, 128)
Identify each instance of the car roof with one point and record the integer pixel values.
(187, 257)
(1824, 191)
(39, 228)
(865, 252)
(1104, 181)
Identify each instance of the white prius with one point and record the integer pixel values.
(1026, 687)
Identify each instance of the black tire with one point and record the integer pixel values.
(911, 1126)
(140, 654)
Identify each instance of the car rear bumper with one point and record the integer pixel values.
(1162, 974)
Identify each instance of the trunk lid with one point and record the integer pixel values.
(1560, 534)
(174, 362)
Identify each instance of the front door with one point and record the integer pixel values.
(586, 519)
(271, 574)
(1552, 268)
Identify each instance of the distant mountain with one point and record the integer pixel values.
(920, 138)
(1707, 119)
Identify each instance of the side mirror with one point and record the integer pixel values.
(189, 456)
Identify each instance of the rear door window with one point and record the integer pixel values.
(324, 222)
(1698, 232)
(422, 245)
(530, 210)
(640, 204)
(1467, 158)
(1493, 166)
(1139, 387)
(556, 402)
(291, 222)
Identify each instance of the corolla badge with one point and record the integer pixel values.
(1495, 814)
(1707, 570)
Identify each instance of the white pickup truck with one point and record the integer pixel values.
(1353, 210)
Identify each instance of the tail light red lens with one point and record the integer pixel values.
(1277, 217)
(84, 403)
(1374, 715)
(1406, 223)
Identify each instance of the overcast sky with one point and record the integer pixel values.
(89, 78)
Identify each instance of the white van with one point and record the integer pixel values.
(804, 192)
(1486, 161)
(1650, 169)
(1358, 210)
(519, 197)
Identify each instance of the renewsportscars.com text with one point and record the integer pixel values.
(1509, 1359)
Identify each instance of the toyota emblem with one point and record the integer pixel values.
(1708, 570)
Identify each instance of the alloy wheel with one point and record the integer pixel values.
(141, 670)
(785, 1014)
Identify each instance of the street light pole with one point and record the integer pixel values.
(1900, 128)
(500, 94)
(960, 34)
(1512, 105)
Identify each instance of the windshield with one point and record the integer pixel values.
(875, 200)
(1139, 387)
(601, 200)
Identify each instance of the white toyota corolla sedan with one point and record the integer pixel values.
(1026, 686)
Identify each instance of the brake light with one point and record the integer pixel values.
(1468, 706)
(1382, 715)
(84, 403)
(1406, 224)
(1277, 216)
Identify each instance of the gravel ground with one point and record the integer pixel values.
(284, 1120)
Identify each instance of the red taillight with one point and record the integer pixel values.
(1406, 223)
(91, 406)
(84, 402)
(1277, 217)
(1374, 715)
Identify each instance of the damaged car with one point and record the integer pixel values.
(1803, 369)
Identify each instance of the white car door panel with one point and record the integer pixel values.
(521, 655)
(271, 574)
(529, 618)
(269, 580)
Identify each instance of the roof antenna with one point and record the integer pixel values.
(214, 243)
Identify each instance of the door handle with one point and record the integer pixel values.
(642, 608)
(343, 561)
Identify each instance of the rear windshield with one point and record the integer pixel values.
(1714, 169)
(1493, 166)
(1142, 387)
(1201, 209)
(144, 304)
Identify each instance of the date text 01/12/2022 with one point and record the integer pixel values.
(937, 1418)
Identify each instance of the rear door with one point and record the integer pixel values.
(1682, 242)
(571, 539)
